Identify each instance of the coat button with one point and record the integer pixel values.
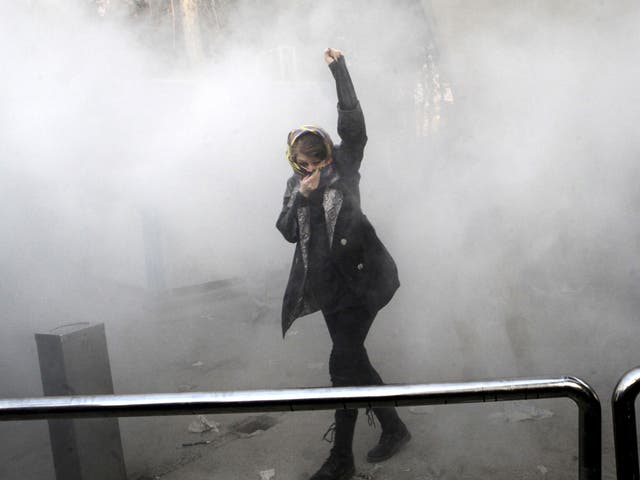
(360, 266)
(343, 241)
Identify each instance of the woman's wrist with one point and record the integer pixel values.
(347, 97)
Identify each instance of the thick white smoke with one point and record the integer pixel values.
(512, 218)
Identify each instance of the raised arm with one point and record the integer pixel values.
(351, 126)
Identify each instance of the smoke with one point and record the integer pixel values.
(104, 132)
(511, 212)
(526, 214)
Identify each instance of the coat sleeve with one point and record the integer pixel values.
(288, 219)
(351, 126)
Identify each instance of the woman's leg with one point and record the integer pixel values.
(346, 334)
(349, 365)
(347, 337)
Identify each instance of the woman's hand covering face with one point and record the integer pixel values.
(310, 183)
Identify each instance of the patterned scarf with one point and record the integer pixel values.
(295, 134)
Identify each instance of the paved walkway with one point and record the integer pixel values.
(449, 442)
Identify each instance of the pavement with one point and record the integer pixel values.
(511, 440)
(200, 345)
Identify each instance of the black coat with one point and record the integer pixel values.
(355, 249)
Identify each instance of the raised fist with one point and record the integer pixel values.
(331, 55)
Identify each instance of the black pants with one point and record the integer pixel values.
(349, 365)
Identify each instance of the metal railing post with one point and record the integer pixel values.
(590, 455)
(625, 436)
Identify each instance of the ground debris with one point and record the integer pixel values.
(521, 414)
(267, 474)
(370, 474)
(542, 469)
(202, 424)
(193, 444)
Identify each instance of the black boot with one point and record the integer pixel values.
(339, 466)
(390, 443)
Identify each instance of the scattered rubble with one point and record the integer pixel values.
(202, 424)
(267, 474)
(524, 413)
(193, 444)
(369, 474)
(542, 469)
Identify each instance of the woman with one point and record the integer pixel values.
(340, 266)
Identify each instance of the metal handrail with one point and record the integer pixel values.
(300, 399)
(625, 436)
